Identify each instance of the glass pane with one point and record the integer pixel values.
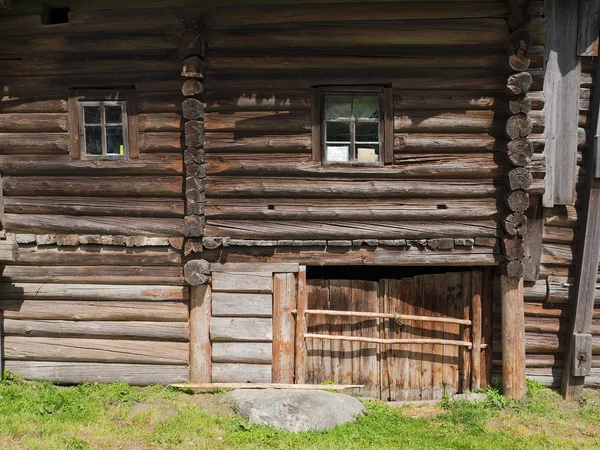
(367, 132)
(114, 141)
(338, 107)
(367, 153)
(338, 153)
(338, 131)
(91, 114)
(113, 114)
(93, 140)
(366, 107)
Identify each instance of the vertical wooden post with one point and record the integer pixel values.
(284, 327)
(513, 337)
(476, 317)
(200, 348)
(301, 327)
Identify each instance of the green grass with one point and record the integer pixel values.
(117, 416)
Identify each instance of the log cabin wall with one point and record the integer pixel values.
(95, 290)
(266, 195)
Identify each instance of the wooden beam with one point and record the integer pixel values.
(302, 303)
(310, 387)
(284, 327)
(562, 83)
(513, 337)
(589, 22)
(586, 267)
(200, 348)
(476, 331)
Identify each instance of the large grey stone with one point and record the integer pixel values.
(293, 410)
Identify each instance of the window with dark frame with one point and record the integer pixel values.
(352, 125)
(103, 124)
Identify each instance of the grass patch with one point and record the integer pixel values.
(118, 416)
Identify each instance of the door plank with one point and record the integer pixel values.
(365, 297)
(438, 306)
(451, 331)
(464, 361)
(427, 355)
(416, 350)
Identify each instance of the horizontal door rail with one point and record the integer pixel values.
(389, 341)
(400, 317)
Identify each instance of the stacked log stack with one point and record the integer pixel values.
(519, 149)
(192, 52)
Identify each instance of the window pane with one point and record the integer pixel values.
(366, 107)
(91, 114)
(113, 114)
(367, 132)
(114, 141)
(338, 153)
(367, 153)
(338, 107)
(93, 140)
(338, 131)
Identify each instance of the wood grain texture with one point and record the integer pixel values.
(229, 304)
(241, 373)
(513, 337)
(285, 291)
(243, 281)
(241, 329)
(199, 334)
(242, 352)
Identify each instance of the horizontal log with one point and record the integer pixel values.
(86, 206)
(440, 165)
(233, 142)
(145, 275)
(41, 223)
(260, 101)
(95, 350)
(34, 143)
(336, 188)
(31, 105)
(79, 372)
(241, 329)
(561, 216)
(230, 304)
(379, 256)
(388, 341)
(403, 58)
(201, 387)
(399, 33)
(439, 121)
(242, 281)
(268, 15)
(160, 122)
(241, 373)
(32, 122)
(443, 100)
(550, 343)
(557, 254)
(159, 102)
(171, 311)
(348, 230)
(144, 186)
(255, 121)
(242, 352)
(254, 267)
(89, 255)
(420, 79)
(162, 164)
(558, 235)
(168, 331)
(86, 43)
(439, 142)
(347, 209)
(161, 142)
(47, 291)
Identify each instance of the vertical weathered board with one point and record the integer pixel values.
(513, 337)
(476, 320)
(439, 310)
(300, 353)
(452, 331)
(589, 20)
(284, 327)
(200, 348)
(427, 354)
(318, 359)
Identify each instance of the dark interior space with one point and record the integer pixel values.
(375, 273)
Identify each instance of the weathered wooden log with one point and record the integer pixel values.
(193, 109)
(95, 350)
(439, 121)
(38, 143)
(172, 331)
(513, 247)
(197, 272)
(193, 226)
(519, 39)
(428, 142)
(212, 242)
(514, 268)
(519, 18)
(515, 224)
(160, 142)
(267, 121)
(519, 61)
(234, 304)
(194, 133)
(233, 142)
(517, 201)
(46, 123)
(242, 352)
(241, 329)
(191, 44)
(284, 327)
(440, 243)
(519, 83)
(159, 122)
(243, 281)
(518, 178)
(519, 126)
(193, 67)
(192, 87)
(200, 347)
(241, 373)
(518, 104)
(519, 152)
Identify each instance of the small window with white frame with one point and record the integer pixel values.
(352, 125)
(102, 125)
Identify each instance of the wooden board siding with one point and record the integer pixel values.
(262, 183)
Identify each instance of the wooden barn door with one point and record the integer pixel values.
(419, 371)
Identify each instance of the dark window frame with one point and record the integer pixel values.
(78, 99)
(386, 120)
